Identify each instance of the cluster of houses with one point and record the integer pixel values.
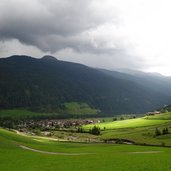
(52, 124)
(152, 113)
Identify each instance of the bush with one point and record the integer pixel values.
(95, 130)
(163, 144)
(122, 118)
(80, 130)
(157, 132)
(114, 119)
(165, 131)
(119, 141)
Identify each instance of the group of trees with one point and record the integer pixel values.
(95, 130)
(163, 132)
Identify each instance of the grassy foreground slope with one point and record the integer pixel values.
(102, 157)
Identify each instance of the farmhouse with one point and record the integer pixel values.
(152, 113)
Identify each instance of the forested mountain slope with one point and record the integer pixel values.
(46, 84)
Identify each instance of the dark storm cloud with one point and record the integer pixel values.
(50, 25)
(89, 28)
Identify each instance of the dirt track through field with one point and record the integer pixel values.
(145, 152)
(53, 153)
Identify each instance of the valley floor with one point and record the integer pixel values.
(20, 153)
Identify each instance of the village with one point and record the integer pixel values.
(47, 124)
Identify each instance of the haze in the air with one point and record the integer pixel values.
(133, 34)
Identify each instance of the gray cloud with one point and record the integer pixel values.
(57, 25)
(45, 23)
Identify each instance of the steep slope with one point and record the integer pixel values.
(45, 84)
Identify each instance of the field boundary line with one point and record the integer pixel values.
(52, 153)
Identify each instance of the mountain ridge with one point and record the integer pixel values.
(42, 85)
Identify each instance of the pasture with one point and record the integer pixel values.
(139, 130)
(90, 157)
(162, 116)
(129, 123)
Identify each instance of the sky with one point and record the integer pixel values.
(133, 34)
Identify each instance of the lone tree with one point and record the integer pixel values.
(115, 119)
(165, 131)
(122, 118)
(157, 132)
(80, 130)
(95, 130)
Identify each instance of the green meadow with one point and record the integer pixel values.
(129, 123)
(139, 130)
(20, 114)
(69, 110)
(20, 152)
(83, 156)
(76, 108)
(162, 116)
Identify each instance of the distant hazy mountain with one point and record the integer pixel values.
(152, 81)
(45, 84)
(137, 72)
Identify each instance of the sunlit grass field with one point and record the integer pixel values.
(92, 156)
(129, 123)
(138, 131)
(102, 157)
(162, 116)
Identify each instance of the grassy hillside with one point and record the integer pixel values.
(79, 108)
(162, 116)
(139, 131)
(130, 123)
(71, 110)
(20, 114)
(102, 157)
